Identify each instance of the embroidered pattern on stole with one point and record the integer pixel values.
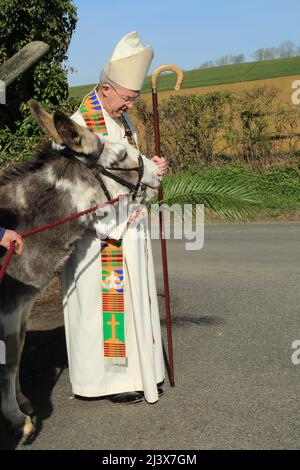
(91, 111)
(113, 301)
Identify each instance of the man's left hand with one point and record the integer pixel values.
(12, 236)
(161, 163)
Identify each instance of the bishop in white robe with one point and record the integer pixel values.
(90, 374)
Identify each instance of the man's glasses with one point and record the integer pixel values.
(127, 99)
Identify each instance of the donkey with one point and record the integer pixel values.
(81, 172)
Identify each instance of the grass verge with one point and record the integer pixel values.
(277, 188)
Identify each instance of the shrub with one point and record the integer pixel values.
(23, 143)
(21, 22)
(212, 129)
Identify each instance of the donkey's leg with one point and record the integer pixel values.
(24, 402)
(11, 309)
(18, 421)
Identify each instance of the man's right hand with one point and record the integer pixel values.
(139, 214)
(12, 236)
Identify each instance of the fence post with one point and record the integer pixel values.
(22, 61)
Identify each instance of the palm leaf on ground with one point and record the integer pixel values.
(231, 199)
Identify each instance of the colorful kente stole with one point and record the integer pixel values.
(91, 111)
(111, 253)
(113, 302)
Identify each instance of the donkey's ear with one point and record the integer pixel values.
(70, 132)
(45, 120)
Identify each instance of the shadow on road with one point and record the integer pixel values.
(44, 358)
(188, 321)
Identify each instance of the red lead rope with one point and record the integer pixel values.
(46, 227)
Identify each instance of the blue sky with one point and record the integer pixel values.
(186, 33)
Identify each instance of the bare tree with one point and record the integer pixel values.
(238, 59)
(207, 65)
(224, 60)
(287, 49)
(258, 54)
(270, 53)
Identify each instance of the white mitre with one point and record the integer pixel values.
(130, 62)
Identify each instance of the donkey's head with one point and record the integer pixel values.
(124, 161)
(121, 160)
(63, 131)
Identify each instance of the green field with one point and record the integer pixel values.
(219, 75)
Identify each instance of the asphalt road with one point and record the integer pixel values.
(236, 309)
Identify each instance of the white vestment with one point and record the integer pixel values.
(81, 282)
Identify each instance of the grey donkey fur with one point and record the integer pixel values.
(50, 187)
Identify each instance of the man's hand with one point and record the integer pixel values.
(11, 236)
(139, 214)
(161, 163)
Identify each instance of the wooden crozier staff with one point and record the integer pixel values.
(155, 74)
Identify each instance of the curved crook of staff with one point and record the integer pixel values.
(155, 74)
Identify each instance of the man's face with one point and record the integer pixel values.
(118, 99)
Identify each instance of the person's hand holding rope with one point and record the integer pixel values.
(138, 214)
(12, 236)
